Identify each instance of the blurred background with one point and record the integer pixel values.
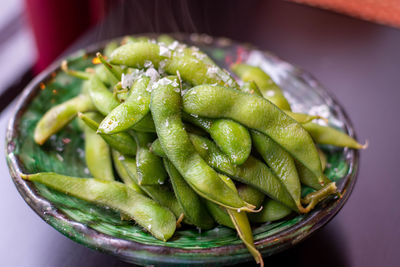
(351, 46)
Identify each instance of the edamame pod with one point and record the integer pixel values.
(157, 149)
(59, 116)
(281, 163)
(159, 221)
(330, 136)
(122, 173)
(122, 142)
(127, 114)
(269, 89)
(191, 203)
(159, 193)
(251, 87)
(104, 75)
(231, 137)
(258, 114)
(166, 39)
(101, 97)
(250, 194)
(166, 110)
(277, 158)
(190, 66)
(322, 157)
(135, 54)
(97, 155)
(271, 211)
(243, 228)
(150, 168)
(145, 125)
(253, 172)
(219, 214)
(302, 118)
(308, 178)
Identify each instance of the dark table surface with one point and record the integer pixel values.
(358, 61)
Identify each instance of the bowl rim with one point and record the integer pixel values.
(121, 247)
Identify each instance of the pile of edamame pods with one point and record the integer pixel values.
(173, 139)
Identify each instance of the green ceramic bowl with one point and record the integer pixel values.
(102, 229)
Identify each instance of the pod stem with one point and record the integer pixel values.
(112, 69)
(180, 219)
(321, 118)
(364, 146)
(118, 89)
(75, 73)
(314, 198)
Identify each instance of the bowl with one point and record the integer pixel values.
(101, 229)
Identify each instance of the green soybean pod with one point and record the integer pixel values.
(196, 71)
(252, 172)
(160, 193)
(159, 221)
(150, 168)
(219, 214)
(133, 110)
(281, 163)
(190, 68)
(231, 137)
(308, 178)
(102, 98)
(166, 110)
(122, 173)
(322, 157)
(191, 203)
(157, 149)
(104, 75)
(330, 136)
(302, 117)
(269, 89)
(60, 115)
(251, 87)
(166, 39)
(271, 211)
(242, 226)
(97, 155)
(250, 194)
(145, 125)
(122, 142)
(135, 54)
(258, 114)
(277, 158)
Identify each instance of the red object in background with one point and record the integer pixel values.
(381, 11)
(56, 24)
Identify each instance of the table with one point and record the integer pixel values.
(357, 61)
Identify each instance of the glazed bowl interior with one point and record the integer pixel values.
(102, 229)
